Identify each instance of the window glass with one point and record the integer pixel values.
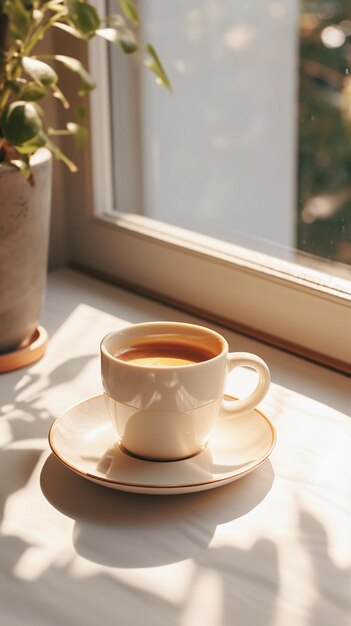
(253, 146)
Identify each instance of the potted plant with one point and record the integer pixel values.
(27, 143)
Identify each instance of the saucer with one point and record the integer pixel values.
(84, 440)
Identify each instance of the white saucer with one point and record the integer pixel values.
(85, 441)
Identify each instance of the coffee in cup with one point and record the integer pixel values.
(164, 385)
(163, 351)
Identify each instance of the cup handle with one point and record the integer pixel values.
(240, 359)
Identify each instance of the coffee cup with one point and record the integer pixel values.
(164, 384)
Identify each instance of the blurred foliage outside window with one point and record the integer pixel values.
(324, 159)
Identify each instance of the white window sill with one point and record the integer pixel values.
(272, 546)
(68, 288)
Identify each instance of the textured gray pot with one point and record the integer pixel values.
(24, 237)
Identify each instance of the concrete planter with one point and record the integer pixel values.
(24, 238)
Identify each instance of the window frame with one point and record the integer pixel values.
(300, 309)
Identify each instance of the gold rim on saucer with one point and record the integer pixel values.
(185, 475)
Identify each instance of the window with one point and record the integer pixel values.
(195, 194)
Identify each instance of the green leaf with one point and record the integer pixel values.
(83, 17)
(125, 40)
(115, 20)
(41, 72)
(68, 29)
(21, 122)
(75, 66)
(54, 5)
(32, 91)
(14, 85)
(130, 11)
(28, 4)
(31, 146)
(154, 64)
(19, 18)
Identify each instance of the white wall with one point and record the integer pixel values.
(219, 153)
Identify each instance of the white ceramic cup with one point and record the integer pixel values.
(167, 413)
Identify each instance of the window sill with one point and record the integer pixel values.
(229, 285)
(67, 289)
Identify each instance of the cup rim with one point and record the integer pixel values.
(205, 329)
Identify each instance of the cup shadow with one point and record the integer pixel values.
(126, 530)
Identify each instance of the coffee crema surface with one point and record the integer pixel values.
(164, 354)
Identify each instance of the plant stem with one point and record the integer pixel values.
(59, 132)
(3, 99)
(40, 32)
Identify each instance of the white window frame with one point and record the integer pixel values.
(302, 309)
